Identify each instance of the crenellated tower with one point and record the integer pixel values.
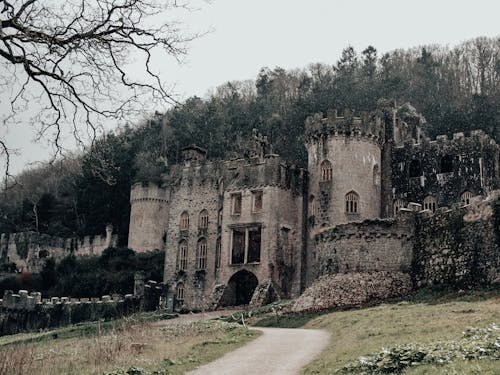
(344, 163)
(148, 217)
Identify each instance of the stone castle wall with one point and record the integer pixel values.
(30, 250)
(368, 246)
(445, 168)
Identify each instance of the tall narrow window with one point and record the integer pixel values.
(326, 170)
(466, 197)
(201, 254)
(203, 220)
(218, 249)
(238, 248)
(430, 203)
(236, 203)
(376, 175)
(257, 200)
(352, 203)
(184, 223)
(182, 255)
(398, 205)
(312, 206)
(179, 295)
(253, 245)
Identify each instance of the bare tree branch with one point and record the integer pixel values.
(72, 60)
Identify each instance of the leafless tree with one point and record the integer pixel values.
(69, 61)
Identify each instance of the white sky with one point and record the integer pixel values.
(250, 34)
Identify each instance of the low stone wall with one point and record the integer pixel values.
(353, 290)
(28, 312)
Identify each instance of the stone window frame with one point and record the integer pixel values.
(201, 254)
(466, 197)
(430, 203)
(203, 219)
(257, 200)
(326, 168)
(247, 228)
(184, 221)
(312, 205)
(352, 202)
(179, 292)
(236, 203)
(182, 255)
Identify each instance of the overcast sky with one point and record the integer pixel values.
(251, 34)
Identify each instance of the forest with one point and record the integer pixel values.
(455, 88)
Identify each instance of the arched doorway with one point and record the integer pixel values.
(239, 289)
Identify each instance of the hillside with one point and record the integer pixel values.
(456, 89)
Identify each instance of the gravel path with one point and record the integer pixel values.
(280, 351)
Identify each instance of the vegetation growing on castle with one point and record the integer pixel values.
(455, 89)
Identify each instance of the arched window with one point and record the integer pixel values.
(184, 223)
(466, 197)
(415, 169)
(398, 205)
(218, 249)
(201, 254)
(182, 255)
(446, 164)
(430, 203)
(179, 295)
(352, 202)
(203, 220)
(376, 175)
(312, 206)
(326, 171)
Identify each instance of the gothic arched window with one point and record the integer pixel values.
(430, 203)
(398, 205)
(352, 202)
(182, 255)
(326, 170)
(201, 254)
(203, 220)
(184, 222)
(179, 295)
(376, 175)
(465, 197)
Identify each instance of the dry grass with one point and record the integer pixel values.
(127, 344)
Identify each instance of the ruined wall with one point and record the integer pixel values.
(445, 168)
(148, 217)
(458, 247)
(371, 245)
(30, 250)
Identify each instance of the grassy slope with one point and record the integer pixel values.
(87, 349)
(423, 319)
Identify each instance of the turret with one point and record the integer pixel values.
(148, 217)
(344, 163)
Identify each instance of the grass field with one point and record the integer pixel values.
(425, 318)
(128, 346)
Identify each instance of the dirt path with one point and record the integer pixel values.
(280, 351)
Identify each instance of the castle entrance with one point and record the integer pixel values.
(239, 289)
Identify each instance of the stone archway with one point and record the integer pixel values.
(239, 289)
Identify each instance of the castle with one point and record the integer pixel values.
(377, 195)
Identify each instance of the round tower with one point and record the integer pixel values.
(148, 217)
(344, 163)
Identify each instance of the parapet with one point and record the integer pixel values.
(473, 136)
(148, 192)
(366, 125)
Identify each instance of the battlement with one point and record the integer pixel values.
(30, 301)
(148, 192)
(473, 136)
(367, 125)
